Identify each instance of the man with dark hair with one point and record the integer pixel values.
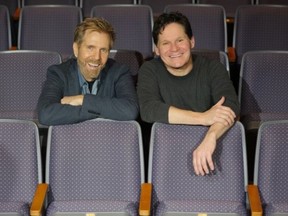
(180, 88)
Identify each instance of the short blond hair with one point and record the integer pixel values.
(94, 24)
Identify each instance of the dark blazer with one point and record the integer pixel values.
(116, 98)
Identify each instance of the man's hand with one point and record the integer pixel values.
(76, 100)
(219, 113)
(202, 155)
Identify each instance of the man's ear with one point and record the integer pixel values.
(156, 51)
(192, 42)
(75, 49)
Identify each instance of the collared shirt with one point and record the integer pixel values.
(85, 86)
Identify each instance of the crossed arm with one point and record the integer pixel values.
(220, 118)
(61, 103)
(76, 100)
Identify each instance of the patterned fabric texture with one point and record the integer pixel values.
(196, 206)
(214, 55)
(272, 151)
(159, 6)
(86, 5)
(263, 81)
(19, 165)
(12, 5)
(177, 188)
(5, 33)
(131, 58)
(46, 22)
(134, 32)
(93, 162)
(22, 76)
(208, 24)
(49, 2)
(230, 6)
(257, 24)
(15, 208)
(94, 206)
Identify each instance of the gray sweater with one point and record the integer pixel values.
(197, 91)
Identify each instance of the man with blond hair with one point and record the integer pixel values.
(89, 85)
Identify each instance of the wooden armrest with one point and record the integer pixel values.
(16, 14)
(231, 54)
(254, 200)
(13, 48)
(145, 199)
(38, 200)
(230, 20)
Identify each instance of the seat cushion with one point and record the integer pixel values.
(19, 208)
(198, 206)
(92, 206)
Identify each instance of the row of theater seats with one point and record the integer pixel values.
(157, 6)
(262, 85)
(256, 27)
(97, 168)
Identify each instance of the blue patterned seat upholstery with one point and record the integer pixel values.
(274, 2)
(271, 167)
(208, 24)
(22, 74)
(260, 27)
(94, 167)
(230, 6)
(86, 5)
(133, 59)
(133, 25)
(159, 6)
(20, 165)
(5, 33)
(53, 28)
(262, 86)
(49, 2)
(178, 191)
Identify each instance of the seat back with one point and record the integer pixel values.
(133, 59)
(158, 6)
(208, 24)
(229, 5)
(271, 166)
(5, 33)
(49, 2)
(22, 74)
(133, 25)
(49, 28)
(20, 165)
(175, 186)
(263, 80)
(12, 5)
(214, 55)
(274, 2)
(100, 161)
(86, 5)
(260, 27)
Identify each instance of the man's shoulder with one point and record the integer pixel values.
(153, 65)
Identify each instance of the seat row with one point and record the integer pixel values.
(96, 168)
(157, 6)
(262, 86)
(52, 28)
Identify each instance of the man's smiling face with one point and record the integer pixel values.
(92, 54)
(174, 47)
